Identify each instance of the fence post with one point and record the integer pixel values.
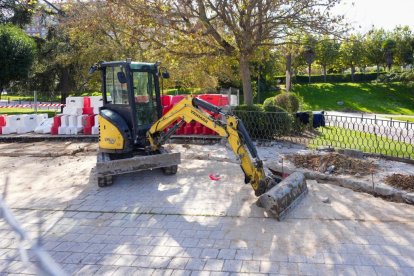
(35, 100)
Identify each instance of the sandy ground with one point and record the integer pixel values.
(355, 233)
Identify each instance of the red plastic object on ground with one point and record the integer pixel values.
(1, 129)
(57, 121)
(214, 177)
(87, 111)
(2, 121)
(87, 130)
(86, 102)
(54, 130)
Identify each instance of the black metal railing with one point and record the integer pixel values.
(369, 134)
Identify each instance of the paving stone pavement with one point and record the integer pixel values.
(151, 224)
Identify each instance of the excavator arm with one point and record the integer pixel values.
(191, 109)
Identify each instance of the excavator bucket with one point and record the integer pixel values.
(284, 196)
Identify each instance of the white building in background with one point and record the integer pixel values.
(38, 27)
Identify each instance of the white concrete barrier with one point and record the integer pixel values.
(76, 102)
(12, 123)
(64, 120)
(95, 130)
(26, 123)
(44, 127)
(62, 130)
(96, 101)
(40, 118)
(73, 110)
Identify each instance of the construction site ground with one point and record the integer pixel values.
(148, 223)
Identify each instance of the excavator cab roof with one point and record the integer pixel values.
(133, 66)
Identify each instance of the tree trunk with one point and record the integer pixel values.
(352, 73)
(246, 80)
(324, 73)
(310, 71)
(64, 85)
(378, 70)
(288, 72)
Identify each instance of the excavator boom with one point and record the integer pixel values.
(190, 109)
(276, 198)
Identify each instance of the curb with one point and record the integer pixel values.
(377, 189)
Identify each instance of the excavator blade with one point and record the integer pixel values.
(106, 167)
(283, 197)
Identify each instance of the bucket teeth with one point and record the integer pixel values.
(283, 197)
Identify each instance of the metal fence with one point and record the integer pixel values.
(373, 135)
(30, 251)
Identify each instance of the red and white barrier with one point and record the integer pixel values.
(30, 105)
(20, 123)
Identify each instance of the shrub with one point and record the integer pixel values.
(265, 123)
(406, 77)
(269, 102)
(331, 78)
(287, 101)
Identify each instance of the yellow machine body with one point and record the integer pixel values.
(110, 138)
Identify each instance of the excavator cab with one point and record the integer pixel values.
(130, 90)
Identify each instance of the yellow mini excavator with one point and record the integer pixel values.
(132, 131)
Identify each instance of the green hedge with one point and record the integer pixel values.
(332, 78)
(266, 123)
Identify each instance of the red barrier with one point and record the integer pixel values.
(89, 121)
(176, 99)
(214, 99)
(189, 129)
(87, 111)
(224, 100)
(54, 130)
(198, 128)
(2, 121)
(57, 121)
(86, 102)
(87, 130)
(166, 100)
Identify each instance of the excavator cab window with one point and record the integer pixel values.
(144, 97)
(116, 91)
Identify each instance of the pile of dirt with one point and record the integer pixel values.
(401, 181)
(333, 163)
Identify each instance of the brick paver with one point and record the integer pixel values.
(151, 224)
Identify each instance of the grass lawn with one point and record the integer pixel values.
(17, 111)
(369, 143)
(402, 118)
(392, 98)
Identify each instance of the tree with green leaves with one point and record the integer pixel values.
(373, 44)
(309, 52)
(351, 53)
(17, 52)
(327, 52)
(404, 50)
(236, 29)
(389, 46)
